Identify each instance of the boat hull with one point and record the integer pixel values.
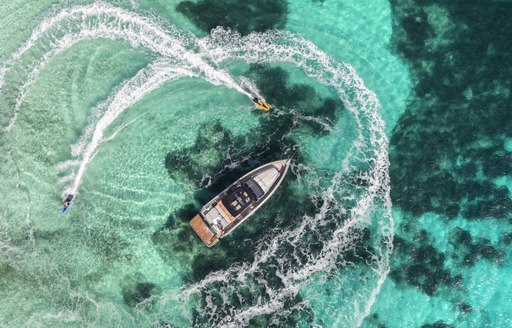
(234, 205)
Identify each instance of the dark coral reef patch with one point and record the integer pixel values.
(470, 251)
(437, 324)
(420, 264)
(450, 144)
(135, 290)
(242, 16)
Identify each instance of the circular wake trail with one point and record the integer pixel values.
(182, 54)
(370, 147)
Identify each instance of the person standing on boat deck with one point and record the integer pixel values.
(219, 224)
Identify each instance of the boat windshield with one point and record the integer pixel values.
(238, 200)
(254, 188)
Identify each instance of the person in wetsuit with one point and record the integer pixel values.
(68, 201)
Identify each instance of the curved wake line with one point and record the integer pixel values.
(105, 21)
(132, 91)
(182, 54)
(226, 46)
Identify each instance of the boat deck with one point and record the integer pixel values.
(217, 215)
(224, 213)
(203, 231)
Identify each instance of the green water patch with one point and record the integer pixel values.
(428, 264)
(64, 93)
(473, 253)
(19, 18)
(244, 17)
(357, 34)
(374, 321)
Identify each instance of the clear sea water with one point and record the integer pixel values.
(397, 209)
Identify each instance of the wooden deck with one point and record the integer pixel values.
(225, 210)
(203, 231)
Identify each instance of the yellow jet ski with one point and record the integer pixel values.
(260, 103)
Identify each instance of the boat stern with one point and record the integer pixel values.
(203, 231)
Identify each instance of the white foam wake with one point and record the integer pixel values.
(182, 54)
(100, 20)
(132, 91)
(369, 148)
(73, 25)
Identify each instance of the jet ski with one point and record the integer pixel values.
(66, 203)
(260, 103)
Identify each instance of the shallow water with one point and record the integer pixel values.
(145, 115)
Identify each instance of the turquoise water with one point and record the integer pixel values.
(393, 214)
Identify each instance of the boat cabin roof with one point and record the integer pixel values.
(238, 200)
